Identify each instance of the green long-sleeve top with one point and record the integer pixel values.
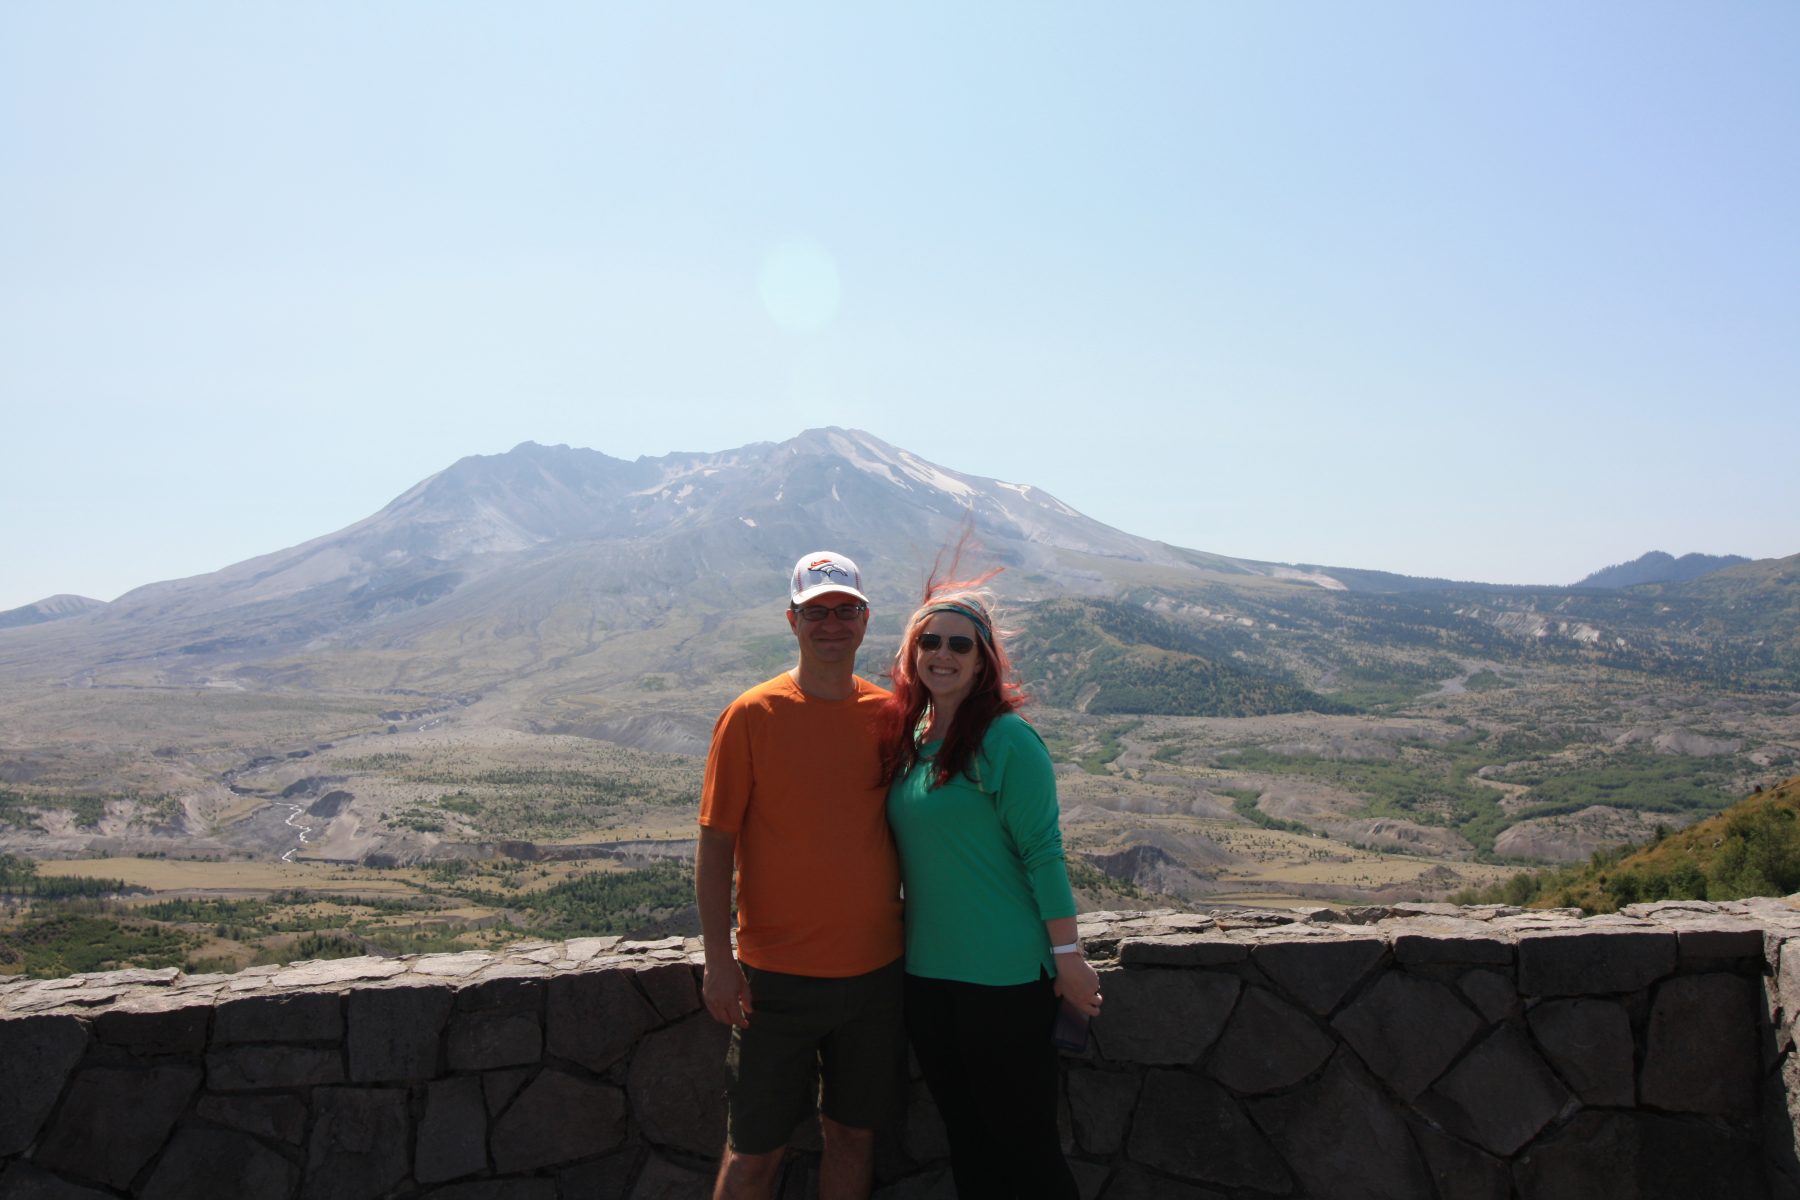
(982, 861)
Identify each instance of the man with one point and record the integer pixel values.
(793, 795)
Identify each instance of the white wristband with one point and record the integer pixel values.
(1067, 948)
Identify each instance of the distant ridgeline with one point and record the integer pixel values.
(1658, 567)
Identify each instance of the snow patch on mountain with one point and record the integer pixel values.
(926, 473)
(1313, 577)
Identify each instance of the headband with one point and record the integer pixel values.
(975, 615)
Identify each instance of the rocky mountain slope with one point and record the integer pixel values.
(51, 608)
(1659, 567)
(543, 530)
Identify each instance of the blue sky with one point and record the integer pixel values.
(1499, 292)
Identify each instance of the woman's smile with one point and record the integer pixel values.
(947, 675)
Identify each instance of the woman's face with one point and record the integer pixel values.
(947, 675)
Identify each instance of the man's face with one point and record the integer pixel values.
(833, 641)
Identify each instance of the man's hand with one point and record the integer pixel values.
(727, 993)
(724, 988)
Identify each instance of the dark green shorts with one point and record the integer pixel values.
(841, 1041)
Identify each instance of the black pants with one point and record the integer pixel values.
(988, 1061)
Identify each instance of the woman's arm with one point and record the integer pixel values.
(1027, 805)
(1076, 980)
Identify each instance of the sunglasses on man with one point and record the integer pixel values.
(843, 612)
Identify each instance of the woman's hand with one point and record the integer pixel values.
(1078, 983)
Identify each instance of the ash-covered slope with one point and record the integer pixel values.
(51, 608)
(548, 534)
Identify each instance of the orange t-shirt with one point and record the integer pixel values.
(797, 779)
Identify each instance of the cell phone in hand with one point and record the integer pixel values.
(1070, 1033)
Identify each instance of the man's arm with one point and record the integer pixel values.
(725, 990)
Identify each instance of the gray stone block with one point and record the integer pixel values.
(609, 1176)
(335, 973)
(1704, 942)
(1593, 961)
(1342, 1139)
(221, 1163)
(1499, 1096)
(280, 1118)
(1182, 950)
(20, 1180)
(1407, 1030)
(295, 1017)
(165, 1026)
(1089, 1178)
(36, 1056)
(934, 1184)
(1781, 1125)
(673, 988)
(1700, 1052)
(677, 1085)
(393, 1033)
(483, 1041)
(1134, 1184)
(1784, 956)
(1492, 994)
(1464, 943)
(526, 1188)
(254, 1068)
(113, 1121)
(1192, 1128)
(360, 1143)
(499, 1087)
(1640, 1156)
(452, 1140)
(1318, 971)
(1589, 1044)
(1459, 1171)
(1163, 1017)
(594, 1017)
(558, 1119)
(506, 992)
(661, 1179)
(1100, 1108)
(1268, 1044)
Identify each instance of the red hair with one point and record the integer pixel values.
(996, 690)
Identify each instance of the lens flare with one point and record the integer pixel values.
(799, 286)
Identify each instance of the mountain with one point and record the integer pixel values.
(53, 608)
(584, 571)
(1658, 567)
(528, 649)
(549, 536)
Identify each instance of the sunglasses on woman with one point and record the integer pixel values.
(930, 643)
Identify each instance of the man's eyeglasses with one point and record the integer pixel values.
(843, 612)
(930, 643)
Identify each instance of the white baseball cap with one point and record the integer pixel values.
(821, 572)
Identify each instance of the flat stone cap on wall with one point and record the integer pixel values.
(1557, 951)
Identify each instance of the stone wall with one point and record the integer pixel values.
(1421, 1051)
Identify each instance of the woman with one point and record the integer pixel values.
(990, 920)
